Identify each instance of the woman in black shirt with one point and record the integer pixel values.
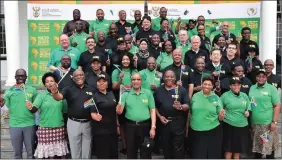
(142, 55)
(103, 112)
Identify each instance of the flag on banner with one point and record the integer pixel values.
(265, 137)
(87, 104)
(253, 102)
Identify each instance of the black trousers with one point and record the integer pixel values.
(135, 135)
(106, 146)
(173, 134)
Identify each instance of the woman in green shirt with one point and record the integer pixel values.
(121, 76)
(205, 129)
(165, 58)
(235, 127)
(265, 103)
(51, 131)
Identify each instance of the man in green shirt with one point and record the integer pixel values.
(22, 129)
(156, 23)
(151, 80)
(140, 116)
(78, 39)
(183, 43)
(130, 47)
(100, 24)
(55, 58)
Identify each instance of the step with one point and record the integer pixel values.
(10, 155)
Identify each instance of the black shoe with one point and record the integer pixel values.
(123, 151)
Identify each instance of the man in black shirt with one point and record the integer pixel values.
(273, 79)
(172, 110)
(246, 42)
(195, 52)
(79, 99)
(70, 25)
(166, 32)
(91, 77)
(229, 37)
(64, 73)
(146, 31)
(231, 57)
(123, 26)
(137, 26)
(87, 56)
(154, 47)
(101, 45)
(111, 40)
(182, 72)
(237, 71)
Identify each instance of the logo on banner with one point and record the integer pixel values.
(36, 12)
(33, 26)
(56, 39)
(252, 11)
(132, 11)
(33, 78)
(155, 11)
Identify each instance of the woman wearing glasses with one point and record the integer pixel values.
(235, 126)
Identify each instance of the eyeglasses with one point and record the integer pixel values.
(136, 79)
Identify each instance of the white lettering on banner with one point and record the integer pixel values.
(187, 11)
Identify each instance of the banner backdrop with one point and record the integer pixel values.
(46, 20)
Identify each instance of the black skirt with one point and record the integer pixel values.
(235, 139)
(206, 144)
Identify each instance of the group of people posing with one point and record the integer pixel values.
(154, 85)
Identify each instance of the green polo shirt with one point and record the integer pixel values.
(156, 24)
(138, 105)
(15, 100)
(210, 30)
(80, 39)
(133, 50)
(265, 97)
(149, 78)
(97, 26)
(164, 60)
(51, 111)
(55, 58)
(235, 107)
(127, 76)
(184, 47)
(205, 111)
(192, 32)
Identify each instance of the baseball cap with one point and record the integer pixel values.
(261, 71)
(192, 20)
(234, 80)
(102, 76)
(120, 41)
(96, 58)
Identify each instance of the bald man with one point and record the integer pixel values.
(70, 25)
(55, 58)
(123, 26)
(22, 121)
(273, 79)
(230, 37)
(137, 26)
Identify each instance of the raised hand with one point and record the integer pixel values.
(119, 109)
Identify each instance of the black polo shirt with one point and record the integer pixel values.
(70, 27)
(245, 45)
(138, 25)
(186, 76)
(227, 36)
(274, 80)
(170, 35)
(191, 56)
(76, 97)
(106, 104)
(91, 79)
(232, 62)
(67, 81)
(256, 66)
(165, 98)
(121, 28)
(102, 48)
(197, 77)
(112, 43)
(245, 82)
(142, 62)
(145, 34)
(115, 59)
(86, 57)
(155, 51)
(224, 71)
(204, 41)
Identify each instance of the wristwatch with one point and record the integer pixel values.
(275, 122)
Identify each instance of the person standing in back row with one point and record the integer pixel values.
(70, 25)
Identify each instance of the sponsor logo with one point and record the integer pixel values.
(252, 11)
(36, 11)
